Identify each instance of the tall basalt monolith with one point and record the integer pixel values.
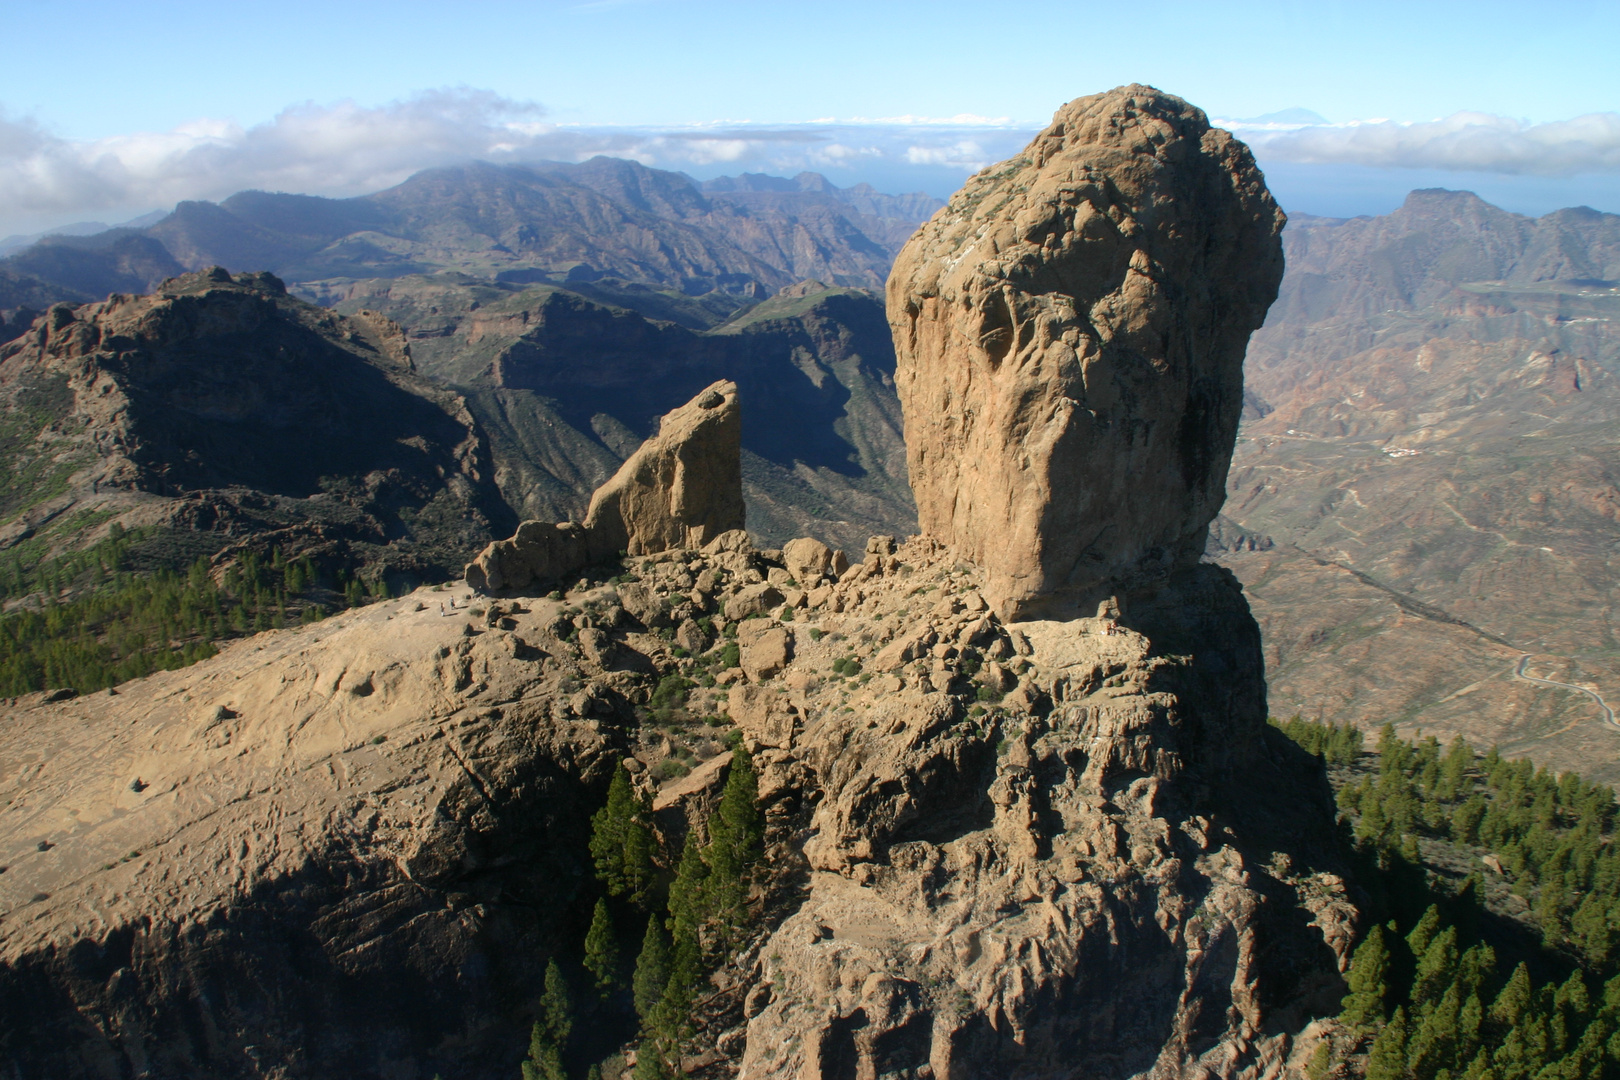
(1070, 332)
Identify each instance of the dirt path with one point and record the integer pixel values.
(1524, 661)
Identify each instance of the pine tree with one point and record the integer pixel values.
(652, 969)
(1434, 1046)
(602, 950)
(621, 841)
(1423, 933)
(1514, 1001)
(1368, 979)
(557, 1006)
(1480, 1067)
(686, 893)
(671, 1016)
(545, 1059)
(607, 832)
(1436, 969)
(735, 835)
(1387, 1058)
(1470, 1019)
(1454, 769)
(638, 851)
(650, 1064)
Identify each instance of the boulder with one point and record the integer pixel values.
(690, 636)
(1070, 333)
(761, 599)
(644, 605)
(765, 647)
(809, 560)
(765, 716)
(681, 489)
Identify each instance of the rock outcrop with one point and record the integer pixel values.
(1039, 849)
(681, 489)
(1009, 849)
(315, 854)
(1070, 332)
(993, 849)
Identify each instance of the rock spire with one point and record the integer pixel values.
(680, 489)
(1070, 332)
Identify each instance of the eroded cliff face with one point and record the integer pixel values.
(1042, 850)
(1069, 333)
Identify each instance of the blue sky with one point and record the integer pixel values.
(116, 109)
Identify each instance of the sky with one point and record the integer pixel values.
(113, 110)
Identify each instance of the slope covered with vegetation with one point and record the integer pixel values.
(1494, 896)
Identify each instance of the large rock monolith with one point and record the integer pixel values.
(1070, 332)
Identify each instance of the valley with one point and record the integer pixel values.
(1433, 447)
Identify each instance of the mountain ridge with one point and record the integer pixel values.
(549, 221)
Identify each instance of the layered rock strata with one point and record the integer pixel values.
(681, 489)
(1069, 333)
(315, 854)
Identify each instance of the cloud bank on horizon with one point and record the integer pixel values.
(348, 149)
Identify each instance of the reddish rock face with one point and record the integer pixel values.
(1070, 332)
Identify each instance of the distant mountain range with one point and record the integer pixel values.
(747, 236)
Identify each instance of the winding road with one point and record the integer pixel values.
(1524, 661)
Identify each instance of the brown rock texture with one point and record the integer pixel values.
(315, 854)
(681, 489)
(1042, 850)
(1070, 332)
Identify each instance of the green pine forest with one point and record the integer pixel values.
(661, 923)
(102, 615)
(1454, 980)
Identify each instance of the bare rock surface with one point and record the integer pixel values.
(1007, 851)
(998, 850)
(315, 854)
(681, 489)
(1070, 332)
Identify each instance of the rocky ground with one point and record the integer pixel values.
(977, 832)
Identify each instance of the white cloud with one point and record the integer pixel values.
(340, 149)
(1462, 142)
(965, 153)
